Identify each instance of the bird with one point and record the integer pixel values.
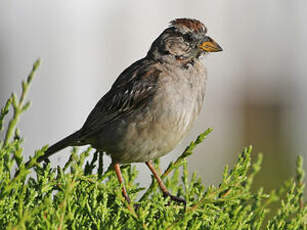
(153, 103)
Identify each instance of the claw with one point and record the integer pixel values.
(176, 199)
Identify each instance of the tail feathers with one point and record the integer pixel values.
(71, 140)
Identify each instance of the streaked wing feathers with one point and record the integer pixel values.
(132, 90)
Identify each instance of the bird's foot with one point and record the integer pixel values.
(127, 198)
(135, 206)
(175, 198)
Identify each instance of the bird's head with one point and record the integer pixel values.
(184, 39)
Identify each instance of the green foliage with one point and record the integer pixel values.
(75, 197)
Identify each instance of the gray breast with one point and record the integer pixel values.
(157, 128)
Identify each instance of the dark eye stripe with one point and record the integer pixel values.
(188, 37)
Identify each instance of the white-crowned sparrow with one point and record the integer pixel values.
(152, 104)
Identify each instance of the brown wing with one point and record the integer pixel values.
(132, 90)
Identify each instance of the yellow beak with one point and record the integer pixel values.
(210, 45)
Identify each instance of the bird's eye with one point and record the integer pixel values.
(188, 37)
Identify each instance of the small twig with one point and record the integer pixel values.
(100, 164)
(90, 166)
(300, 175)
(5, 111)
(18, 105)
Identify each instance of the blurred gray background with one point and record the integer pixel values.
(257, 85)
